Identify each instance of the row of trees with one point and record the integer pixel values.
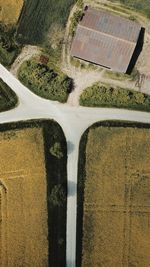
(44, 81)
(106, 96)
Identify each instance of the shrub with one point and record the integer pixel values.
(80, 3)
(56, 150)
(44, 81)
(9, 49)
(100, 95)
(8, 98)
(57, 196)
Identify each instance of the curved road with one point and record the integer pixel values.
(74, 121)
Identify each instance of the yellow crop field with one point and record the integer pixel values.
(10, 10)
(116, 211)
(23, 199)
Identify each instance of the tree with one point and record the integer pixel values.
(56, 150)
(57, 196)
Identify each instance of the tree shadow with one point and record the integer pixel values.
(137, 51)
(71, 188)
(70, 147)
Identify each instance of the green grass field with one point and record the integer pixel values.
(38, 16)
(141, 6)
(8, 98)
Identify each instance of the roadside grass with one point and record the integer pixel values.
(45, 81)
(8, 99)
(121, 76)
(56, 178)
(84, 65)
(104, 95)
(109, 153)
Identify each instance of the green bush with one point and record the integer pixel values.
(57, 196)
(8, 98)
(106, 96)
(44, 81)
(80, 3)
(9, 49)
(56, 150)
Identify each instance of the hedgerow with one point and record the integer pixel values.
(100, 95)
(44, 81)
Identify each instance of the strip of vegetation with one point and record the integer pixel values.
(138, 5)
(8, 98)
(102, 95)
(56, 185)
(9, 49)
(121, 76)
(44, 81)
(75, 20)
(37, 17)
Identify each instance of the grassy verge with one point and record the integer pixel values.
(121, 76)
(44, 81)
(56, 178)
(140, 6)
(102, 95)
(8, 98)
(96, 146)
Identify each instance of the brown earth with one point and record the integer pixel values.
(116, 218)
(23, 203)
(10, 10)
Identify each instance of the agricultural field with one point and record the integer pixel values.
(32, 194)
(114, 184)
(140, 6)
(38, 17)
(104, 95)
(8, 98)
(10, 11)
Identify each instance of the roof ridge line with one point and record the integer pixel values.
(115, 37)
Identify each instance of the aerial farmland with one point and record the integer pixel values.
(30, 204)
(74, 133)
(115, 186)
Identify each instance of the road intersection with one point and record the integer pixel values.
(74, 121)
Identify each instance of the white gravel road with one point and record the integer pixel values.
(74, 121)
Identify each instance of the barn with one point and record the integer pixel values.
(106, 39)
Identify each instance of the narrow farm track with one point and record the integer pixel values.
(74, 121)
(27, 52)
